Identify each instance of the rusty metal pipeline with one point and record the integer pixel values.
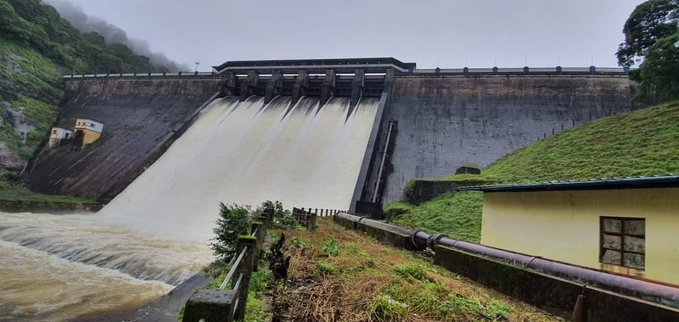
(654, 292)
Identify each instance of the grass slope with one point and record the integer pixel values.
(340, 275)
(456, 214)
(14, 197)
(641, 143)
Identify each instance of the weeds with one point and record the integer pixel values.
(366, 281)
(326, 268)
(385, 308)
(411, 270)
(331, 247)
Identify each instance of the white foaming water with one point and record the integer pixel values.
(59, 267)
(83, 239)
(246, 152)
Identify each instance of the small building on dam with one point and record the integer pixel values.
(86, 132)
(428, 122)
(626, 226)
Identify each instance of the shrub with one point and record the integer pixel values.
(331, 247)
(282, 218)
(234, 221)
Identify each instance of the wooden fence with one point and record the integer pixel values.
(229, 301)
(307, 216)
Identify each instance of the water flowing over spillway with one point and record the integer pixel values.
(154, 235)
(303, 155)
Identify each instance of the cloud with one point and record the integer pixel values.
(112, 34)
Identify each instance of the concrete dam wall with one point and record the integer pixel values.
(427, 123)
(141, 117)
(447, 121)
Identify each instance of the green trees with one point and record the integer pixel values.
(652, 39)
(234, 221)
(648, 23)
(659, 74)
(36, 25)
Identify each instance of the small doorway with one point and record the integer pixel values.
(78, 140)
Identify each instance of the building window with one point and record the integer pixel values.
(623, 242)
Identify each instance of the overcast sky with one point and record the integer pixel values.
(445, 33)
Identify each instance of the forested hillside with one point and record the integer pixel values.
(37, 46)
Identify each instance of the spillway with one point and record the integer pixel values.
(154, 234)
(245, 152)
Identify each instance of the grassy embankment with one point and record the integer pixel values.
(641, 143)
(14, 197)
(340, 275)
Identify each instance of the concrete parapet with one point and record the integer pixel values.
(208, 305)
(146, 86)
(551, 293)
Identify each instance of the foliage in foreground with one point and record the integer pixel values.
(282, 218)
(341, 275)
(256, 309)
(234, 221)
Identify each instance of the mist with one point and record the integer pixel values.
(112, 34)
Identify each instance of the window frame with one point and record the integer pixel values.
(622, 235)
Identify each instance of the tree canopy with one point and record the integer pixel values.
(39, 26)
(648, 23)
(659, 74)
(652, 40)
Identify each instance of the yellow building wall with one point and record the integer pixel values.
(90, 136)
(564, 226)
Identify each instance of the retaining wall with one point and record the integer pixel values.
(553, 294)
(141, 116)
(445, 122)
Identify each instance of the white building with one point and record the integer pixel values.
(59, 135)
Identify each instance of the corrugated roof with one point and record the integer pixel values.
(664, 181)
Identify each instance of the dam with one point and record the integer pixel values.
(435, 120)
(324, 133)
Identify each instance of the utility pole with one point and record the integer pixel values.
(196, 69)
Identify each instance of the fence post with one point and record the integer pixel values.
(260, 231)
(244, 270)
(268, 217)
(312, 222)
